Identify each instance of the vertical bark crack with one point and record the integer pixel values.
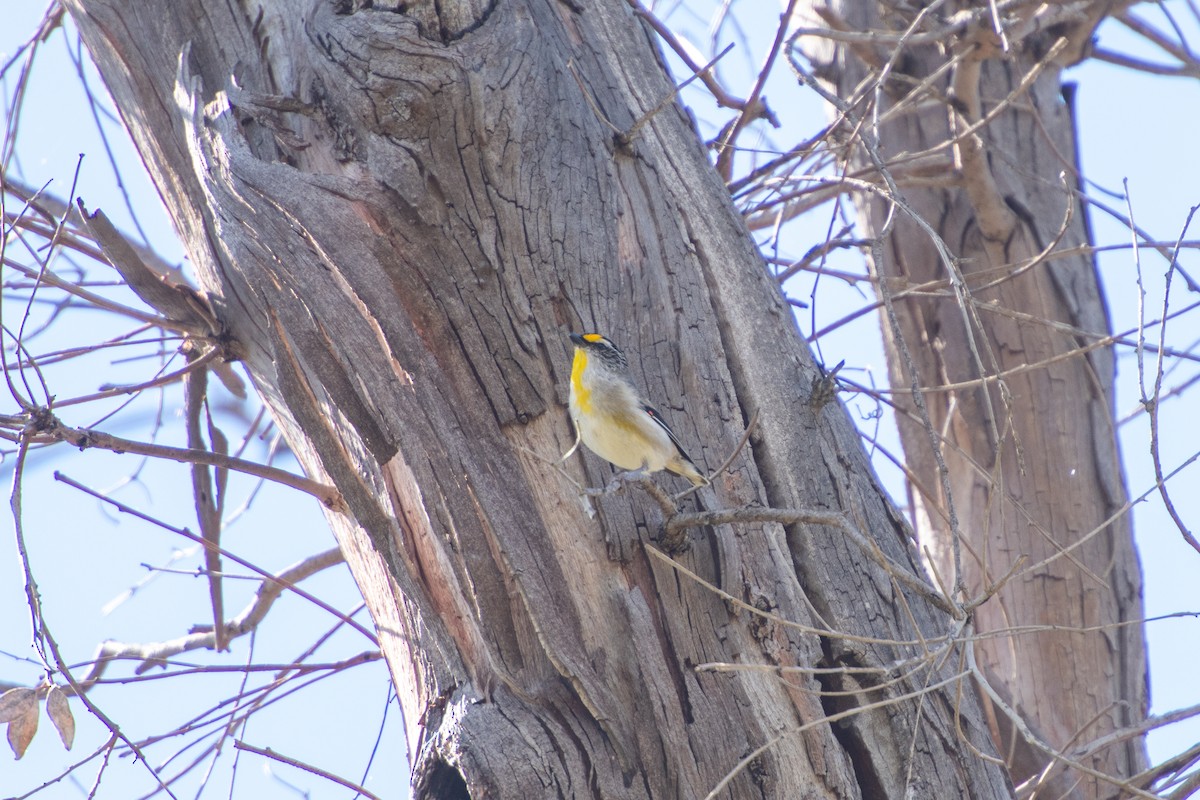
(846, 731)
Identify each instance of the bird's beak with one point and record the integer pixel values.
(578, 340)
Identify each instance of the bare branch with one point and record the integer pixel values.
(50, 429)
(788, 516)
(755, 107)
(153, 654)
(1151, 403)
(185, 533)
(710, 81)
(269, 753)
(177, 301)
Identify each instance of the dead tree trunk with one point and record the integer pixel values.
(1002, 331)
(398, 215)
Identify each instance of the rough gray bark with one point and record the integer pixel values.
(1032, 460)
(398, 215)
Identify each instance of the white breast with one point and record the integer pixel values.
(619, 431)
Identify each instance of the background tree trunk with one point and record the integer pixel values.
(398, 215)
(1032, 459)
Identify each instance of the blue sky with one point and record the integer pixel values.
(1133, 127)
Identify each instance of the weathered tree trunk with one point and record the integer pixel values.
(1032, 457)
(399, 214)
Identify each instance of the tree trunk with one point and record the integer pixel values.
(1031, 458)
(399, 215)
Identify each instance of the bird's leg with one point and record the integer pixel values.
(619, 482)
(634, 475)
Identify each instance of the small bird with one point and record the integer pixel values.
(613, 420)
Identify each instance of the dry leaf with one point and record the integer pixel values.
(14, 701)
(22, 729)
(59, 711)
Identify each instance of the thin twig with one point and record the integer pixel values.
(826, 720)
(43, 640)
(200, 362)
(710, 81)
(791, 516)
(754, 107)
(741, 443)
(1055, 754)
(185, 533)
(628, 136)
(600, 115)
(737, 602)
(52, 429)
(155, 653)
(1151, 404)
(329, 776)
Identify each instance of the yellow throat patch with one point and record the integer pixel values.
(583, 395)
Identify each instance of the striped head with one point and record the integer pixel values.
(599, 347)
(596, 360)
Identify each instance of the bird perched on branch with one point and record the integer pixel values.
(613, 420)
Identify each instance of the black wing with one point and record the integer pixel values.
(652, 412)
